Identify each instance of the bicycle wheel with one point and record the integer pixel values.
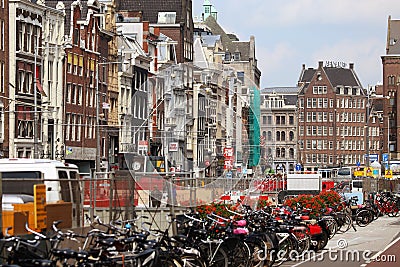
(240, 256)
(286, 244)
(344, 222)
(363, 218)
(192, 261)
(332, 227)
(218, 258)
(323, 240)
(303, 243)
(261, 251)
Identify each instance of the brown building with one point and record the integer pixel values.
(86, 61)
(4, 69)
(173, 17)
(391, 83)
(334, 128)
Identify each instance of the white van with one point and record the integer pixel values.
(61, 180)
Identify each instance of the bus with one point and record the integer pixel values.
(328, 173)
(345, 174)
(62, 181)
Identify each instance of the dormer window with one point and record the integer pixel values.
(227, 56)
(237, 56)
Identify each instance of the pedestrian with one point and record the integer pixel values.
(155, 197)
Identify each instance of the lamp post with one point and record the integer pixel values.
(35, 115)
(98, 136)
(370, 97)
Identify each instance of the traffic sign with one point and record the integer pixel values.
(372, 157)
(229, 175)
(358, 164)
(385, 157)
(298, 167)
(388, 174)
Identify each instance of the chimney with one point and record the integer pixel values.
(351, 66)
(320, 64)
(304, 66)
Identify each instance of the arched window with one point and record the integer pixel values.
(278, 152)
(291, 135)
(291, 153)
(264, 134)
(278, 136)
(283, 136)
(283, 151)
(269, 136)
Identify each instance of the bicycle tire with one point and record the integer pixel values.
(241, 255)
(363, 218)
(219, 258)
(260, 251)
(285, 247)
(345, 223)
(192, 261)
(323, 240)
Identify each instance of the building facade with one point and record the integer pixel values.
(337, 118)
(35, 81)
(278, 126)
(391, 84)
(4, 77)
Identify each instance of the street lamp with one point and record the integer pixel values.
(98, 137)
(370, 97)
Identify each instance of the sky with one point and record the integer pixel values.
(291, 33)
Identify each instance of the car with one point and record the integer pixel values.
(9, 199)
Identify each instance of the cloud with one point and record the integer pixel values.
(259, 14)
(365, 54)
(273, 61)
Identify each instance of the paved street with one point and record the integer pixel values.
(357, 248)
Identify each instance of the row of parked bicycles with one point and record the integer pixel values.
(266, 237)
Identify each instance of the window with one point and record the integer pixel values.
(2, 30)
(68, 93)
(24, 122)
(2, 76)
(73, 126)
(269, 136)
(391, 80)
(79, 96)
(29, 37)
(79, 128)
(291, 120)
(73, 94)
(21, 32)
(65, 186)
(1, 122)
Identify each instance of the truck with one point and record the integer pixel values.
(304, 184)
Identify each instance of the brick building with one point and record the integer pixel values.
(333, 126)
(4, 69)
(85, 60)
(391, 84)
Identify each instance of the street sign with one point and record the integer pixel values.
(385, 157)
(358, 163)
(372, 157)
(298, 167)
(388, 174)
(229, 175)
